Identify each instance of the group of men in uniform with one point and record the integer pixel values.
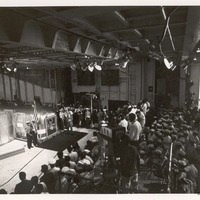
(66, 116)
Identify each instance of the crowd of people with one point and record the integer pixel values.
(168, 147)
(180, 129)
(79, 116)
(165, 141)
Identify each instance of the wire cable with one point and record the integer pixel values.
(167, 28)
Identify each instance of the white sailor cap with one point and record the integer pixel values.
(52, 161)
(65, 169)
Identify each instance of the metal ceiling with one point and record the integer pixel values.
(53, 36)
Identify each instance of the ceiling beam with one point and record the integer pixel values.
(80, 22)
(83, 12)
(156, 26)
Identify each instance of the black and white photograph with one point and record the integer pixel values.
(99, 99)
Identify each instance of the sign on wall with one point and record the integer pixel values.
(10, 114)
(51, 124)
(4, 130)
(20, 124)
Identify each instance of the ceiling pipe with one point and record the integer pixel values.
(123, 20)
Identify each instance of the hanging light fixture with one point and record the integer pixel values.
(83, 66)
(97, 66)
(8, 69)
(73, 66)
(123, 61)
(168, 64)
(91, 67)
(124, 64)
(4, 66)
(15, 69)
(87, 62)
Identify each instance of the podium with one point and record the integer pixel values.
(42, 135)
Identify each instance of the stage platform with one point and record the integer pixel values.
(12, 148)
(29, 160)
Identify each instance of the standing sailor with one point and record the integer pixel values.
(29, 134)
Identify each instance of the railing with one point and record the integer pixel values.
(170, 170)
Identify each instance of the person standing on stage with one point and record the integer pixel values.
(29, 135)
(70, 119)
(87, 117)
(62, 118)
(34, 133)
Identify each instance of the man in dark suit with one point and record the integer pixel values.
(34, 133)
(48, 178)
(29, 135)
(129, 166)
(25, 186)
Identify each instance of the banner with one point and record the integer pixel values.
(20, 120)
(4, 130)
(10, 114)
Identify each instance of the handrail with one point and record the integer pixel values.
(170, 169)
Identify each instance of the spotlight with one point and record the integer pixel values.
(8, 69)
(4, 66)
(124, 64)
(83, 66)
(168, 64)
(15, 69)
(73, 66)
(91, 67)
(97, 66)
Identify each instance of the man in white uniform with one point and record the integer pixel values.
(134, 129)
(124, 123)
